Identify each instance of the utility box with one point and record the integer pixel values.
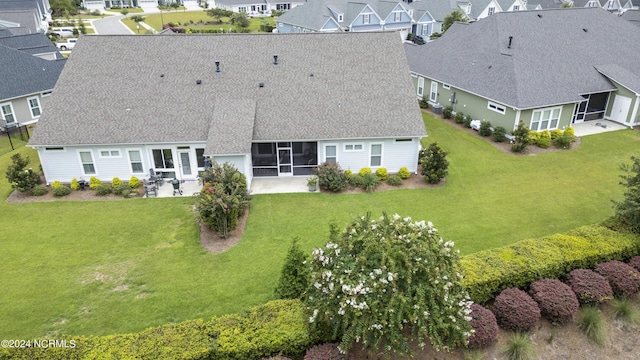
(437, 109)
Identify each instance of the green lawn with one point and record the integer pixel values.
(64, 262)
(186, 17)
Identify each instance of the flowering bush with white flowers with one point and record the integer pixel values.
(379, 278)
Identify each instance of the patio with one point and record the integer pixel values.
(270, 185)
(596, 127)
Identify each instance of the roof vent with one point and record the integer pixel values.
(161, 75)
(198, 81)
(585, 30)
(261, 84)
(311, 75)
(490, 66)
(539, 15)
(275, 59)
(217, 66)
(510, 40)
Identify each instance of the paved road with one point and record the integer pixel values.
(111, 25)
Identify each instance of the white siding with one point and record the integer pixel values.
(394, 154)
(236, 160)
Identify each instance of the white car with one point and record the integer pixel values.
(63, 32)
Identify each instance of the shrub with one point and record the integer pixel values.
(485, 128)
(563, 141)
(94, 182)
(424, 104)
(467, 121)
(116, 181)
(122, 190)
(357, 181)
(74, 184)
(590, 287)
(39, 190)
(534, 136)
(56, 184)
(591, 324)
(382, 174)
(499, 134)
(404, 173)
(103, 190)
(61, 191)
(627, 211)
(447, 112)
(459, 117)
(624, 280)
(484, 325)
(370, 182)
(544, 140)
(349, 173)
(570, 132)
(20, 177)
(556, 300)
(556, 133)
(364, 171)
(519, 347)
(331, 177)
(515, 310)
(134, 182)
(324, 352)
(294, 274)
(521, 134)
(635, 262)
(394, 180)
(434, 164)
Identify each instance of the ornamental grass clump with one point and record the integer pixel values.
(590, 287)
(388, 282)
(624, 280)
(519, 347)
(515, 310)
(485, 327)
(625, 310)
(591, 323)
(556, 300)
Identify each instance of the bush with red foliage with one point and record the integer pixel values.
(279, 357)
(485, 325)
(590, 287)
(624, 279)
(327, 351)
(556, 300)
(515, 310)
(635, 262)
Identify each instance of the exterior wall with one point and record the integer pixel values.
(485, 11)
(237, 160)
(427, 26)
(395, 154)
(404, 23)
(22, 110)
(566, 114)
(631, 119)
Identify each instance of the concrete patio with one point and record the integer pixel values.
(596, 127)
(260, 185)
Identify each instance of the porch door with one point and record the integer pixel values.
(579, 113)
(620, 109)
(285, 163)
(185, 164)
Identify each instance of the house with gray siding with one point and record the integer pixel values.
(513, 66)
(271, 105)
(30, 68)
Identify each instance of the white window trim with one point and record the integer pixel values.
(500, 109)
(13, 113)
(541, 111)
(403, 140)
(397, 16)
(324, 147)
(366, 19)
(354, 147)
(491, 10)
(93, 161)
(46, 93)
(340, 17)
(446, 86)
(433, 95)
(420, 87)
(516, 7)
(110, 156)
(381, 155)
(55, 148)
(141, 161)
(31, 109)
(425, 30)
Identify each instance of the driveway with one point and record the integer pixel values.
(111, 25)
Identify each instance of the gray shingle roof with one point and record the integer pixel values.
(24, 74)
(632, 16)
(325, 86)
(544, 4)
(236, 139)
(30, 43)
(240, 2)
(26, 18)
(438, 9)
(621, 75)
(542, 67)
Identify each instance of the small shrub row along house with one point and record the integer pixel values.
(549, 68)
(269, 105)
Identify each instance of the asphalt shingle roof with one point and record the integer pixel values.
(29, 43)
(552, 60)
(325, 86)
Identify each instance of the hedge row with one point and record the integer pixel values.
(263, 331)
(517, 265)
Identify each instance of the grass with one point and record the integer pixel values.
(184, 18)
(592, 325)
(519, 347)
(65, 263)
(6, 144)
(625, 310)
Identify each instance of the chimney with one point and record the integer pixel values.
(275, 59)
(217, 66)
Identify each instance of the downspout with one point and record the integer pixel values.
(517, 120)
(634, 113)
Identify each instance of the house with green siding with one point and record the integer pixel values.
(549, 68)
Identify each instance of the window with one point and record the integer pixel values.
(446, 86)
(425, 30)
(340, 17)
(54, 149)
(200, 157)
(403, 140)
(34, 104)
(468, 9)
(610, 4)
(492, 10)
(331, 153)
(7, 113)
(163, 158)
(353, 147)
(136, 162)
(433, 96)
(366, 18)
(398, 16)
(420, 87)
(376, 155)
(109, 153)
(516, 7)
(545, 119)
(46, 93)
(242, 9)
(496, 107)
(87, 163)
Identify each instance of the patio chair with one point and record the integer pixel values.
(150, 188)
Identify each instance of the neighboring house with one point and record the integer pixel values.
(633, 16)
(30, 68)
(33, 15)
(256, 7)
(609, 5)
(101, 5)
(271, 105)
(532, 66)
(544, 4)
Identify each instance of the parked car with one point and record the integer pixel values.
(418, 40)
(63, 32)
(67, 44)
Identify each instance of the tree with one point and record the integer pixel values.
(627, 211)
(456, 15)
(294, 277)
(21, 178)
(521, 134)
(137, 18)
(125, 12)
(62, 8)
(434, 164)
(218, 14)
(388, 282)
(240, 20)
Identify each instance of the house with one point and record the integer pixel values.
(256, 7)
(352, 16)
(609, 5)
(633, 16)
(30, 68)
(271, 105)
(31, 15)
(544, 4)
(513, 66)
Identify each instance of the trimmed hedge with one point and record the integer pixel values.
(515, 310)
(485, 327)
(518, 265)
(624, 279)
(267, 330)
(556, 300)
